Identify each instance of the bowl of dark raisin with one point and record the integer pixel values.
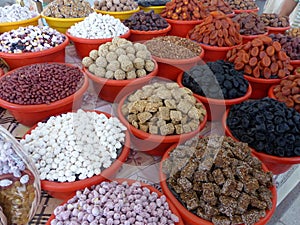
(35, 92)
(203, 178)
(217, 85)
(146, 25)
(270, 128)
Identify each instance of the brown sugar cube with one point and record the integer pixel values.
(228, 173)
(163, 94)
(184, 106)
(153, 129)
(208, 195)
(242, 172)
(135, 124)
(175, 116)
(239, 186)
(197, 186)
(194, 113)
(160, 122)
(154, 98)
(144, 117)
(228, 187)
(164, 113)
(261, 177)
(254, 162)
(139, 106)
(190, 98)
(218, 177)
(243, 203)
(189, 169)
(191, 200)
(152, 107)
(144, 127)
(167, 129)
(228, 205)
(200, 176)
(251, 185)
(170, 103)
(221, 220)
(255, 202)
(251, 216)
(178, 129)
(200, 212)
(236, 220)
(222, 161)
(217, 189)
(186, 128)
(184, 183)
(194, 124)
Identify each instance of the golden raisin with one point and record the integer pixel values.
(266, 61)
(253, 61)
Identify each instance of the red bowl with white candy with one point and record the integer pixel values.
(65, 184)
(124, 187)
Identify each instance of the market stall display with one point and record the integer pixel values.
(15, 16)
(161, 114)
(239, 6)
(62, 14)
(146, 25)
(20, 189)
(216, 180)
(156, 5)
(218, 5)
(174, 54)
(272, 130)
(35, 92)
(94, 149)
(217, 85)
(275, 23)
(94, 30)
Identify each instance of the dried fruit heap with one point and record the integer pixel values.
(217, 30)
(185, 10)
(261, 58)
(218, 5)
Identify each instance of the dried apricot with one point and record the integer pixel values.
(232, 58)
(274, 67)
(218, 24)
(239, 66)
(206, 40)
(270, 50)
(262, 54)
(213, 42)
(253, 61)
(220, 42)
(254, 51)
(281, 73)
(280, 64)
(229, 53)
(266, 61)
(220, 33)
(266, 40)
(256, 72)
(245, 58)
(267, 73)
(247, 46)
(213, 34)
(277, 46)
(282, 56)
(247, 70)
(256, 42)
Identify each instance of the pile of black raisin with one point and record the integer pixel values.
(267, 126)
(147, 3)
(217, 80)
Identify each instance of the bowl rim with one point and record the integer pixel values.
(43, 107)
(262, 80)
(69, 186)
(155, 137)
(278, 28)
(118, 13)
(192, 216)
(96, 40)
(238, 11)
(61, 19)
(254, 35)
(151, 32)
(285, 160)
(20, 22)
(153, 7)
(183, 22)
(172, 207)
(26, 55)
(119, 83)
(219, 101)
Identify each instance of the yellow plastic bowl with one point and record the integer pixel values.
(119, 15)
(8, 26)
(157, 9)
(61, 24)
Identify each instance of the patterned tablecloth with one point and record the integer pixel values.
(139, 166)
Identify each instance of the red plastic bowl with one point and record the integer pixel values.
(151, 188)
(56, 54)
(171, 68)
(65, 190)
(138, 35)
(277, 30)
(295, 64)
(154, 144)
(181, 28)
(216, 107)
(190, 218)
(83, 46)
(239, 11)
(247, 38)
(275, 164)
(113, 90)
(31, 114)
(214, 53)
(260, 86)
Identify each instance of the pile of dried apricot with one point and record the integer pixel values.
(185, 10)
(217, 30)
(261, 58)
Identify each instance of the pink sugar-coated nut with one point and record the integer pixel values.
(122, 218)
(95, 222)
(139, 223)
(139, 218)
(174, 218)
(75, 212)
(163, 220)
(116, 222)
(65, 215)
(109, 221)
(96, 211)
(131, 219)
(85, 223)
(152, 206)
(103, 199)
(126, 223)
(58, 210)
(110, 214)
(158, 202)
(102, 221)
(80, 216)
(90, 217)
(160, 212)
(116, 216)
(74, 223)
(138, 208)
(89, 209)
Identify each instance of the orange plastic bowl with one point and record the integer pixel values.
(83, 46)
(247, 38)
(138, 35)
(65, 190)
(190, 218)
(154, 144)
(214, 53)
(171, 68)
(216, 107)
(56, 54)
(29, 115)
(181, 28)
(277, 30)
(275, 164)
(113, 90)
(260, 86)
(239, 11)
(151, 188)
